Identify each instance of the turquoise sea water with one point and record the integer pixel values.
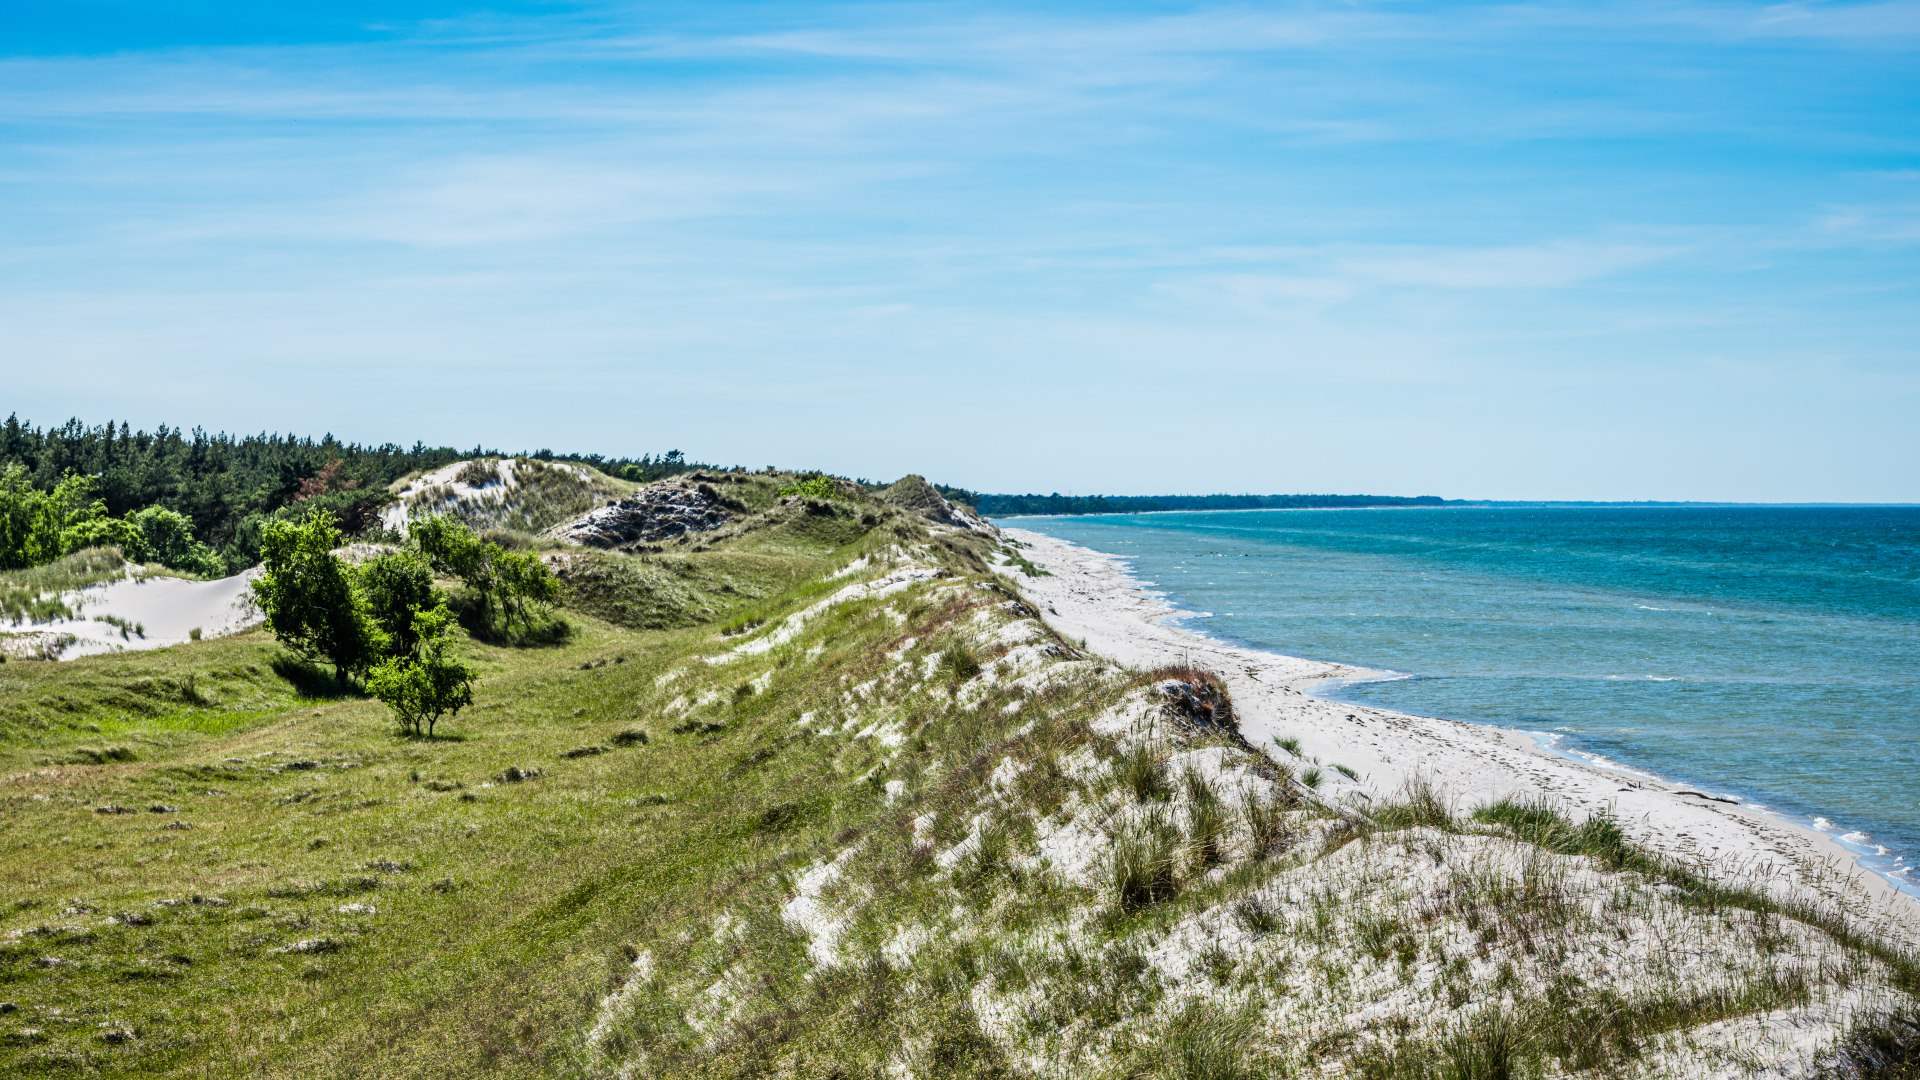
(1768, 652)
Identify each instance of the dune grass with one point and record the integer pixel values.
(33, 594)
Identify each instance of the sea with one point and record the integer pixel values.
(1771, 653)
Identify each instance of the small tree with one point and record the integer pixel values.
(522, 579)
(453, 548)
(169, 539)
(511, 579)
(307, 593)
(40, 526)
(423, 686)
(397, 586)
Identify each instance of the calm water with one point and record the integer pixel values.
(1770, 652)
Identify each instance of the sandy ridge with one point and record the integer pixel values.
(1090, 595)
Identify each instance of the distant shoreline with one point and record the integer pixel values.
(1482, 504)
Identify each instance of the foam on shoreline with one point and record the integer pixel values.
(1091, 595)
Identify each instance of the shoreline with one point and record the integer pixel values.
(1552, 744)
(1092, 595)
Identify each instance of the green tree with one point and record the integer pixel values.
(38, 526)
(513, 581)
(454, 549)
(25, 536)
(428, 683)
(396, 587)
(167, 536)
(308, 595)
(521, 579)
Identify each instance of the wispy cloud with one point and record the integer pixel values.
(1018, 210)
(1533, 266)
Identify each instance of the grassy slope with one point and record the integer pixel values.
(34, 593)
(506, 913)
(487, 948)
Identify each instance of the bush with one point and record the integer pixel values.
(37, 527)
(40, 526)
(307, 593)
(814, 487)
(168, 539)
(515, 582)
(524, 584)
(397, 587)
(429, 683)
(102, 531)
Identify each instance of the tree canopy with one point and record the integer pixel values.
(228, 486)
(309, 597)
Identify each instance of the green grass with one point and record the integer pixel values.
(1144, 865)
(1022, 563)
(495, 905)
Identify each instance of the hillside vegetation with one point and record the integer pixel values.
(225, 487)
(814, 792)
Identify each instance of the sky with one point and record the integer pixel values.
(1664, 250)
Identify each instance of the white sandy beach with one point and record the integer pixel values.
(1091, 595)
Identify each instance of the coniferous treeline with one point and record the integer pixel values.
(1056, 503)
(228, 486)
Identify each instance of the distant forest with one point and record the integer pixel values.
(229, 485)
(1014, 505)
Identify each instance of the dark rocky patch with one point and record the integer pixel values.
(662, 511)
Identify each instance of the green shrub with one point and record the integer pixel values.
(168, 539)
(423, 686)
(40, 526)
(515, 583)
(308, 595)
(814, 487)
(396, 587)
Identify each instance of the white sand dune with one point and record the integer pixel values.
(444, 491)
(150, 613)
(1090, 595)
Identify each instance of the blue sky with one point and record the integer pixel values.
(1659, 250)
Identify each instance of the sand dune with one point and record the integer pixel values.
(140, 613)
